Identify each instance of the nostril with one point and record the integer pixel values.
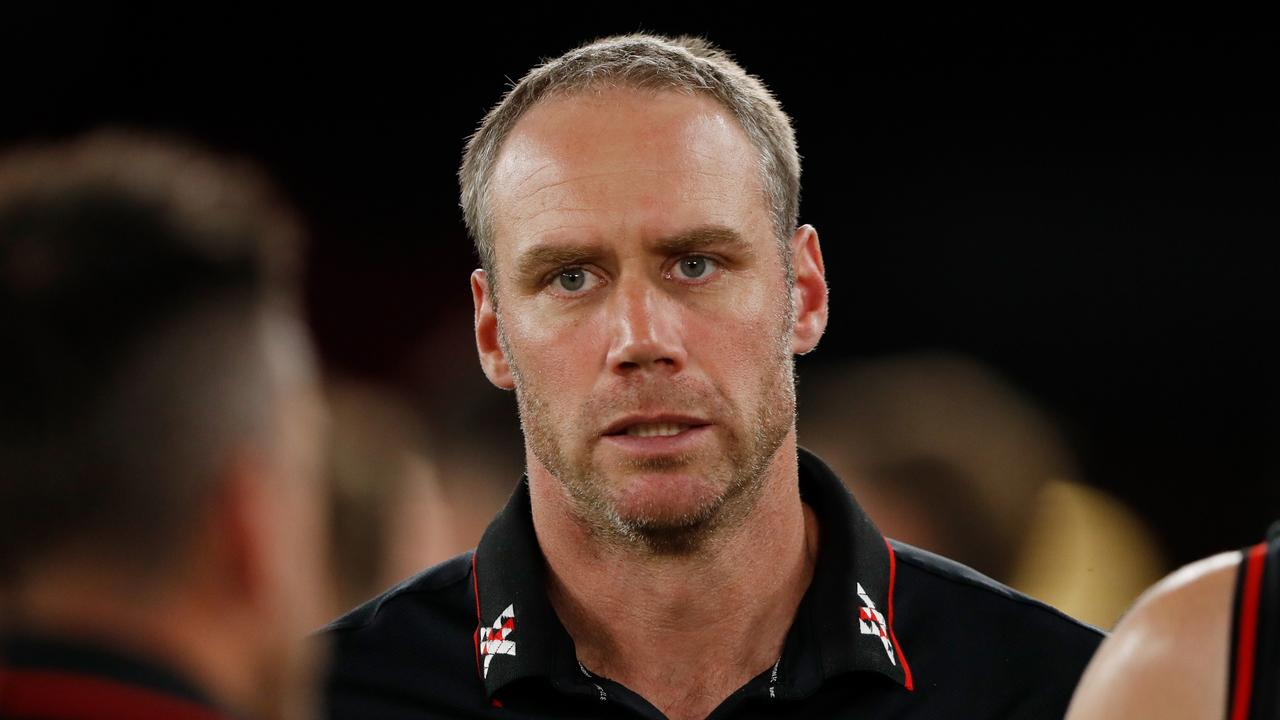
(669, 364)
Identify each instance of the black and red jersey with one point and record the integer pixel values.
(885, 630)
(57, 679)
(1254, 689)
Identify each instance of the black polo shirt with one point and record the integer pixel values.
(885, 630)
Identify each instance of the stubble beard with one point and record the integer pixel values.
(752, 441)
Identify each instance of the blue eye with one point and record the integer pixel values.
(695, 267)
(572, 280)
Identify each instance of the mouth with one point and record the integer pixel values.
(655, 429)
(648, 427)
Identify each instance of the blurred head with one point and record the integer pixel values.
(390, 515)
(937, 426)
(159, 415)
(628, 199)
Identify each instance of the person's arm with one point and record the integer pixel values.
(1167, 658)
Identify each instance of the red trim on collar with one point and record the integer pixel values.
(66, 696)
(893, 569)
(475, 637)
(1247, 636)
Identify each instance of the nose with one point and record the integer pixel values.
(647, 331)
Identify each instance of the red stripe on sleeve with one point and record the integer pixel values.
(1247, 637)
(893, 570)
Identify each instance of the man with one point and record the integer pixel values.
(161, 519)
(1202, 644)
(670, 554)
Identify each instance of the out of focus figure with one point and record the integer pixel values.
(389, 517)
(947, 456)
(477, 438)
(162, 523)
(1203, 644)
(395, 511)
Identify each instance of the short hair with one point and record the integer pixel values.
(139, 284)
(642, 62)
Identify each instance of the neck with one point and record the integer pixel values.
(684, 631)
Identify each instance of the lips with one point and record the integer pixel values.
(653, 426)
(653, 438)
(655, 429)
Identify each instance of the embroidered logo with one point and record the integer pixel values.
(493, 640)
(871, 622)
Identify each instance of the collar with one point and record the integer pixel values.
(54, 678)
(844, 623)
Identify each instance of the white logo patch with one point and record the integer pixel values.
(493, 640)
(871, 622)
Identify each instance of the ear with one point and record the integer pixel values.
(492, 359)
(810, 292)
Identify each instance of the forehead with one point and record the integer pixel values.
(622, 161)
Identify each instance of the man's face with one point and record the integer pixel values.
(644, 311)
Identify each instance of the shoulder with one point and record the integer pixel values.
(1168, 655)
(959, 629)
(411, 645)
(436, 583)
(949, 587)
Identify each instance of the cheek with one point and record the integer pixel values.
(557, 354)
(736, 359)
(737, 334)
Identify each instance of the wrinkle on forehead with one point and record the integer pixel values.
(699, 125)
(587, 146)
(544, 166)
(530, 192)
(529, 206)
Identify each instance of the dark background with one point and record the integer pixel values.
(1089, 211)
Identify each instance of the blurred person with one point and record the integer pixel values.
(161, 515)
(395, 508)
(475, 431)
(671, 553)
(478, 438)
(1001, 484)
(389, 514)
(394, 512)
(1203, 644)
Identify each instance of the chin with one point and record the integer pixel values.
(677, 497)
(671, 540)
(668, 512)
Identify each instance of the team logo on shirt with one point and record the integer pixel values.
(494, 640)
(871, 622)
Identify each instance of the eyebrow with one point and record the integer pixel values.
(543, 257)
(703, 238)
